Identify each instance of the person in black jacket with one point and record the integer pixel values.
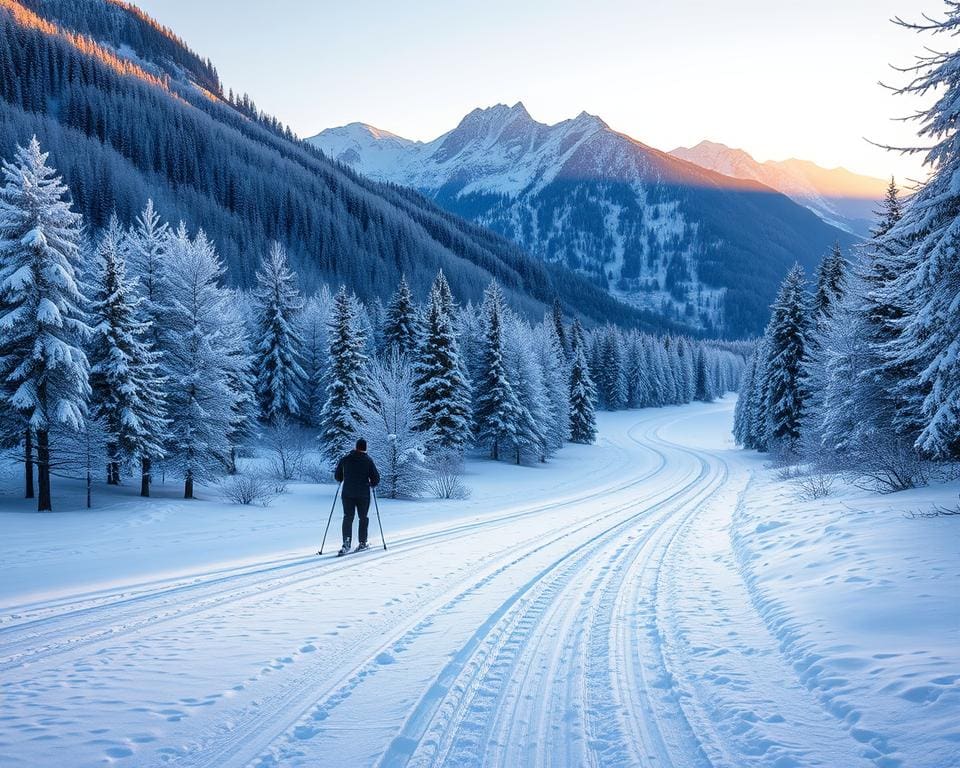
(358, 474)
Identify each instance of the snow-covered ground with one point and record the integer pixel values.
(659, 599)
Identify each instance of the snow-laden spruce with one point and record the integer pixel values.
(44, 372)
(314, 331)
(277, 360)
(497, 412)
(443, 389)
(198, 362)
(401, 326)
(786, 389)
(583, 393)
(146, 246)
(346, 377)
(527, 380)
(127, 386)
(929, 265)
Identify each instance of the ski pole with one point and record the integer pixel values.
(377, 506)
(327, 529)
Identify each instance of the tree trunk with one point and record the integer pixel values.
(145, 465)
(113, 467)
(89, 489)
(28, 464)
(188, 486)
(43, 472)
(496, 453)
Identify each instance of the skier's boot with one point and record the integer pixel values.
(345, 549)
(362, 546)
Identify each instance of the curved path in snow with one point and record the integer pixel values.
(608, 626)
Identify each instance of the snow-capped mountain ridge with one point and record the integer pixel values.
(838, 196)
(658, 232)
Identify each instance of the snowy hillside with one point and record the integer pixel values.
(658, 233)
(839, 197)
(128, 113)
(657, 599)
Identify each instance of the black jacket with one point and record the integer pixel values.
(358, 474)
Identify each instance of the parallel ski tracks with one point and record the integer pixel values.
(495, 710)
(577, 644)
(75, 625)
(258, 729)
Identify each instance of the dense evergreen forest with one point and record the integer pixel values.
(130, 353)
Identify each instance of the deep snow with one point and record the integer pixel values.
(657, 599)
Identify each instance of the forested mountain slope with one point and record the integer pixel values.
(129, 112)
(839, 197)
(657, 232)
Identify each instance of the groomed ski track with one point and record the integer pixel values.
(599, 628)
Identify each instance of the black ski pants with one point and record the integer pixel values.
(351, 507)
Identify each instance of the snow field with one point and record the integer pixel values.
(657, 599)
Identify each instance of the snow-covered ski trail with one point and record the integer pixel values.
(604, 627)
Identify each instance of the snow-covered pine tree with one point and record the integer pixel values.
(594, 352)
(127, 387)
(657, 375)
(583, 393)
(611, 379)
(786, 389)
(637, 372)
(835, 418)
(443, 389)
(746, 408)
(470, 339)
(553, 362)
(928, 236)
(497, 411)
(559, 328)
(760, 417)
(387, 418)
(241, 380)
(401, 329)
(703, 389)
(43, 369)
(346, 380)
(314, 330)
(197, 362)
(526, 379)
(872, 411)
(278, 354)
(146, 244)
(828, 296)
(882, 307)
(686, 375)
(830, 276)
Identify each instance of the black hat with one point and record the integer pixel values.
(361, 445)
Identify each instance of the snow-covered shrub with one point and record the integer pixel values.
(288, 445)
(317, 471)
(250, 489)
(446, 476)
(815, 483)
(886, 464)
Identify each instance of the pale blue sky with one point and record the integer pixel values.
(779, 78)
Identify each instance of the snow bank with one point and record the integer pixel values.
(865, 604)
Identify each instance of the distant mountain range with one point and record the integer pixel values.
(836, 195)
(128, 112)
(657, 231)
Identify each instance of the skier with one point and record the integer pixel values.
(358, 474)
